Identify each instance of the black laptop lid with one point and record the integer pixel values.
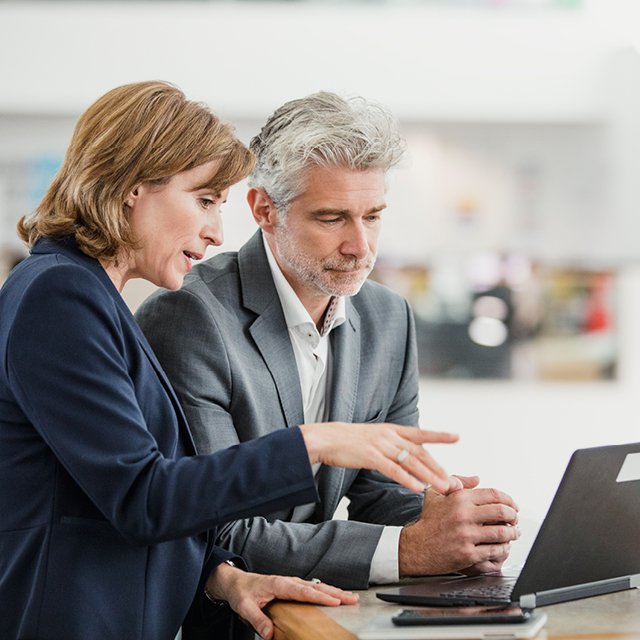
(592, 529)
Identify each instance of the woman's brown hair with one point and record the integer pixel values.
(140, 132)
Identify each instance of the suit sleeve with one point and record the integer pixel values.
(374, 497)
(67, 366)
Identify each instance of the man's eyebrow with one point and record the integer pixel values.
(329, 212)
(344, 212)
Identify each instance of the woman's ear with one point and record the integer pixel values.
(263, 209)
(132, 197)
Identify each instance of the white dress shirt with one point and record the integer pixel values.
(314, 361)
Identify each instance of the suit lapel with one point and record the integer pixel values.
(272, 339)
(345, 348)
(269, 330)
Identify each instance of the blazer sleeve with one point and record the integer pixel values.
(67, 365)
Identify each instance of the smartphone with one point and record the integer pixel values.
(461, 615)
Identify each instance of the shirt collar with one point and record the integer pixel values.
(294, 311)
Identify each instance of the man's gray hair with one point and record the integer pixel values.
(324, 130)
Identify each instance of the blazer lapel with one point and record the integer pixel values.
(269, 330)
(162, 376)
(345, 348)
(127, 316)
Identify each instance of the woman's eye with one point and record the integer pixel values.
(206, 202)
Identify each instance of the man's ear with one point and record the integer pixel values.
(263, 209)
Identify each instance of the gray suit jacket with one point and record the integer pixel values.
(223, 342)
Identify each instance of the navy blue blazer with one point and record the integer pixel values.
(104, 508)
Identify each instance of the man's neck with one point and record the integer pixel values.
(317, 309)
(315, 304)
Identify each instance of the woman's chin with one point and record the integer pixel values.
(172, 282)
(175, 284)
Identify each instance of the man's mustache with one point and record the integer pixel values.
(350, 265)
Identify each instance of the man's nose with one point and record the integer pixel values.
(357, 242)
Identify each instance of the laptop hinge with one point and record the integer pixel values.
(575, 592)
(528, 601)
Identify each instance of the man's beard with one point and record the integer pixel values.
(323, 275)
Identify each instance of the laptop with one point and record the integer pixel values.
(587, 545)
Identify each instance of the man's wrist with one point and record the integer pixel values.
(406, 545)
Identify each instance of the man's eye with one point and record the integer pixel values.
(330, 220)
(375, 218)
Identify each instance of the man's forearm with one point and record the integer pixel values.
(325, 551)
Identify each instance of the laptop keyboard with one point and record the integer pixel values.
(494, 592)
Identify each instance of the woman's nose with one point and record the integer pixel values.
(213, 232)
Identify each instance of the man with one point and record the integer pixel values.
(288, 331)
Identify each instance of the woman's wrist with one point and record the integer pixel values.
(313, 440)
(307, 436)
(216, 587)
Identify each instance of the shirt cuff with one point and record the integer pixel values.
(384, 564)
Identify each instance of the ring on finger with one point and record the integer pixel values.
(403, 454)
(316, 581)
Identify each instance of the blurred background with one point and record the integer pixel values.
(513, 225)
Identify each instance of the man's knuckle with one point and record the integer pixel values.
(279, 583)
(493, 534)
(502, 513)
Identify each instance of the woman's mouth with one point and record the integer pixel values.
(190, 258)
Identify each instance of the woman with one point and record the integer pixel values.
(105, 507)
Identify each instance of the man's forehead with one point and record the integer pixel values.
(337, 172)
(336, 187)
